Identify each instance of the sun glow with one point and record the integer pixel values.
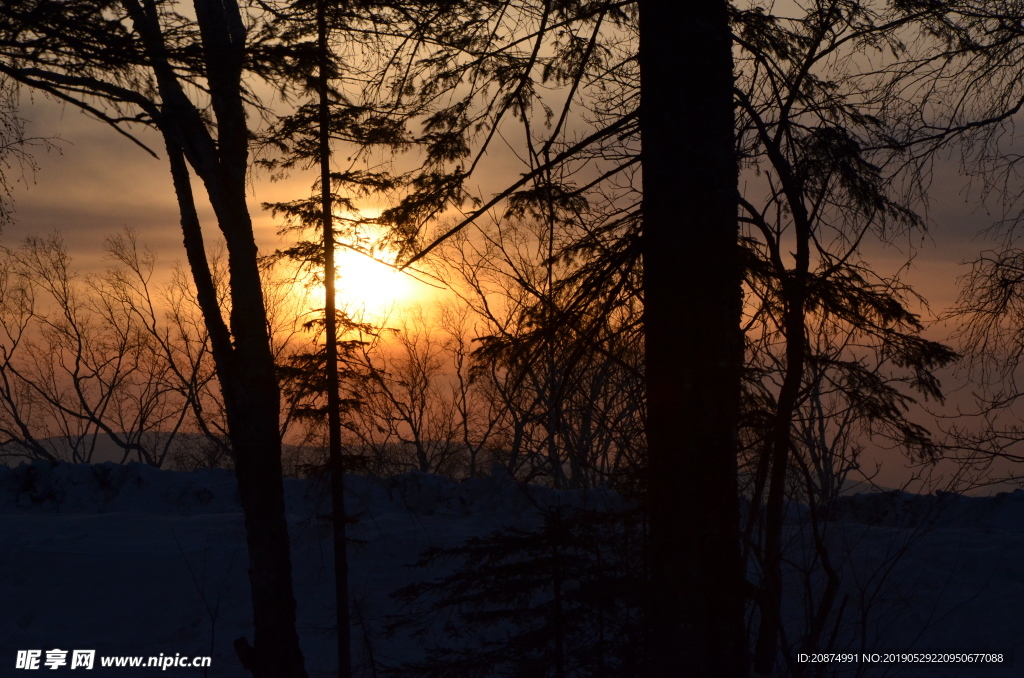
(369, 289)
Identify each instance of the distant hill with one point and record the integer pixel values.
(101, 447)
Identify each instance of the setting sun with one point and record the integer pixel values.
(368, 289)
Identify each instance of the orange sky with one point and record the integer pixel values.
(100, 182)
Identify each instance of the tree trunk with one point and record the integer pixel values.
(766, 647)
(694, 346)
(794, 289)
(245, 363)
(246, 373)
(337, 459)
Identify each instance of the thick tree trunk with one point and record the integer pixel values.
(245, 369)
(245, 363)
(252, 405)
(692, 306)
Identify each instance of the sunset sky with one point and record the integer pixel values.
(99, 182)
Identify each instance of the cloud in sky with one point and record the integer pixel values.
(99, 182)
(96, 182)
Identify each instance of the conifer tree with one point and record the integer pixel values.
(305, 27)
(562, 599)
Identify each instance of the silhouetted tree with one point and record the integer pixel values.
(693, 340)
(85, 356)
(139, 62)
(563, 599)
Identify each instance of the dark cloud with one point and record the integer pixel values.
(96, 182)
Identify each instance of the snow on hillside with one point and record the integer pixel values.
(129, 560)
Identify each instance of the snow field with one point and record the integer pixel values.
(130, 560)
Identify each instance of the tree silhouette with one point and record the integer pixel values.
(137, 63)
(562, 599)
(694, 348)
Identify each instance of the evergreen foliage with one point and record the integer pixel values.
(563, 599)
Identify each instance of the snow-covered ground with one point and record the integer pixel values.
(129, 560)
